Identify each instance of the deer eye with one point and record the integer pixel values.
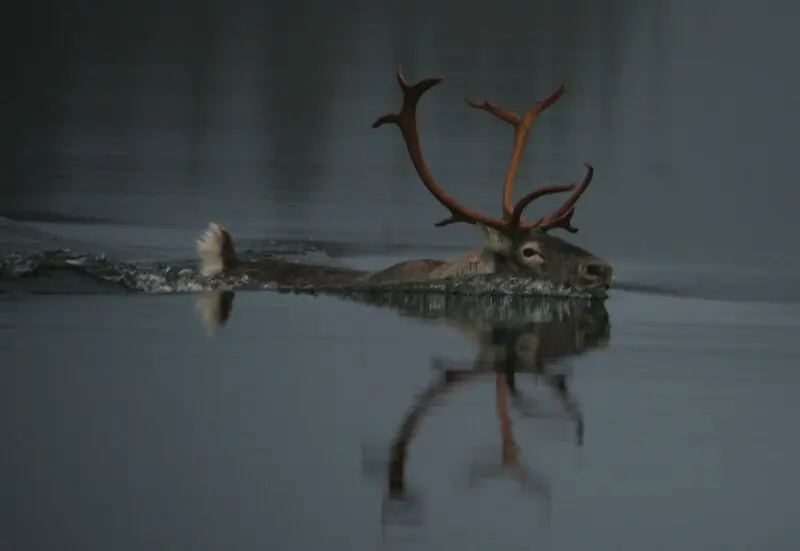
(529, 252)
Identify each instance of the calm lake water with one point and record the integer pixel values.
(662, 419)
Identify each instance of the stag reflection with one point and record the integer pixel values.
(516, 337)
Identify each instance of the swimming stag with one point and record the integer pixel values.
(512, 245)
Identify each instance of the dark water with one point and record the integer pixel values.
(662, 419)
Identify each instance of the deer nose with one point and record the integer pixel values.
(598, 271)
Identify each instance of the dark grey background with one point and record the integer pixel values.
(258, 114)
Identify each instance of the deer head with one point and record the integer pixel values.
(512, 244)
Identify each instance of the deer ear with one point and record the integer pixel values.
(495, 241)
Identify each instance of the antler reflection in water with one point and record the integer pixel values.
(558, 384)
(510, 457)
(448, 379)
(399, 504)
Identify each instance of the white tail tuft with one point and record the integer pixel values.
(216, 250)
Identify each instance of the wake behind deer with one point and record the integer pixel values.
(513, 246)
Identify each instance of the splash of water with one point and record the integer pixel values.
(183, 277)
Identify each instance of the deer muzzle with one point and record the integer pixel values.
(596, 274)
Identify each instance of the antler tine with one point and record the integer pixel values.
(522, 204)
(406, 120)
(564, 222)
(559, 218)
(485, 105)
(522, 127)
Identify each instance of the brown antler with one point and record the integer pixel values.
(406, 120)
(512, 219)
(522, 127)
(561, 217)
